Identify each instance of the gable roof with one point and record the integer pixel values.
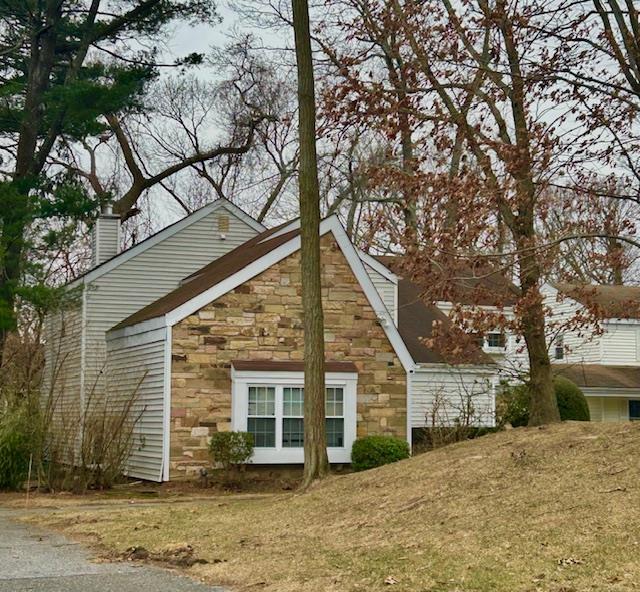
(415, 319)
(614, 302)
(165, 233)
(481, 287)
(247, 261)
(600, 375)
(415, 324)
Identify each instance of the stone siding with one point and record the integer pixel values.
(262, 320)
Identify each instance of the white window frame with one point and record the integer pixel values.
(241, 380)
(495, 349)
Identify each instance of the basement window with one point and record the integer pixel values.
(270, 405)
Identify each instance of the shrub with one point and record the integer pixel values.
(571, 401)
(513, 403)
(375, 451)
(15, 448)
(231, 448)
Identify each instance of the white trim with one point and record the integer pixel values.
(165, 233)
(379, 267)
(242, 379)
(409, 409)
(83, 347)
(610, 392)
(396, 303)
(371, 293)
(331, 224)
(166, 417)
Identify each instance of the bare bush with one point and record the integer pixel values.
(456, 417)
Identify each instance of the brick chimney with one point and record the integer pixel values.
(106, 236)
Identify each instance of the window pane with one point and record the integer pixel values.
(634, 410)
(293, 402)
(335, 432)
(292, 432)
(334, 402)
(496, 340)
(262, 401)
(263, 430)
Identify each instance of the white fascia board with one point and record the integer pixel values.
(612, 321)
(377, 266)
(331, 224)
(460, 369)
(610, 392)
(163, 235)
(137, 329)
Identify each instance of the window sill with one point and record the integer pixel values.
(273, 456)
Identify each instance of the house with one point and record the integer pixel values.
(119, 284)
(604, 364)
(224, 351)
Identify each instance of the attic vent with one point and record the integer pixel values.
(223, 225)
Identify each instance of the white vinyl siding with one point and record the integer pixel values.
(387, 289)
(61, 373)
(438, 396)
(152, 274)
(135, 369)
(580, 346)
(619, 344)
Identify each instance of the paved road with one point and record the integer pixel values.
(34, 560)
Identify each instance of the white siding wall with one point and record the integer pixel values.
(135, 369)
(151, 274)
(582, 346)
(61, 372)
(438, 396)
(619, 344)
(387, 290)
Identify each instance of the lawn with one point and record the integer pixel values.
(555, 509)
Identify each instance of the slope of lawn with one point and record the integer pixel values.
(554, 509)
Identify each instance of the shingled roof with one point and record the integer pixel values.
(614, 302)
(487, 288)
(415, 324)
(600, 375)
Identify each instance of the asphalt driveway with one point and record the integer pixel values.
(35, 560)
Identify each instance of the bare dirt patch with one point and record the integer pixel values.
(552, 510)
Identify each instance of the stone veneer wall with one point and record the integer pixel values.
(262, 320)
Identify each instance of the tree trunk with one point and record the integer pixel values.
(543, 404)
(316, 463)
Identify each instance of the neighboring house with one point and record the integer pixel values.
(121, 283)
(224, 350)
(606, 364)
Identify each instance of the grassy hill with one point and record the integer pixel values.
(554, 509)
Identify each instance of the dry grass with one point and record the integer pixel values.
(556, 509)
